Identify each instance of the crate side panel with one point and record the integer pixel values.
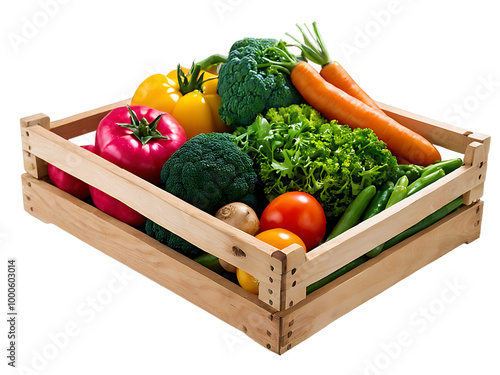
(378, 274)
(366, 235)
(188, 279)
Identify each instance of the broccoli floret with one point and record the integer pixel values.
(247, 89)
(208, 171)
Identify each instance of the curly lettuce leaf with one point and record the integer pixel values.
(296, 148)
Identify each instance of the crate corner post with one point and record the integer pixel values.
(32, 164)
(36, 168)
(281, 291)
(476, 220)
(476, 155)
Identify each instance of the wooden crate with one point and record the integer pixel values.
(281, 316)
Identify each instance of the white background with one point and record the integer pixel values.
(424, 56)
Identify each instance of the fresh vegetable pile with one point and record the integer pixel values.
(269, 145)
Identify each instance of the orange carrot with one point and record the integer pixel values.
(314, 50)
(337, 96)
(335, 104)
(334, 73)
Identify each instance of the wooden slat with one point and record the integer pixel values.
(363, 237)
(378, 274)
(437, 132)
(83, 123)
(185, 220)
(190, 280)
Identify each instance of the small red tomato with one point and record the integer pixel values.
(298, 212)
(67, 182)
(140, 140)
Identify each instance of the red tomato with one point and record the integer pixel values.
(67, 182)
(140, 140)
(126, 137)
(298, 212)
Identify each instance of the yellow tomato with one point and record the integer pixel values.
(247, 281)
(279, 238)
(196, 111)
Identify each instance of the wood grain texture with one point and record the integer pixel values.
(378, 274)
(183, 276)
(85, 122)
(189, 222)
(481, 138)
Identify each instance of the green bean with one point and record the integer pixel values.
(354, 211)
(399, 192)
(447, 166)
(379, 201)
(336, 274)
(424, 181)
(411, 171)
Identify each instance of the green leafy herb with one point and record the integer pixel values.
(296, 148)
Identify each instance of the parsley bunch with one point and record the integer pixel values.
(296, 149)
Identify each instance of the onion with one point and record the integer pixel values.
(241, 216)
(228, 267)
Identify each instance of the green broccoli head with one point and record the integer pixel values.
(246, 90)
(208, 171)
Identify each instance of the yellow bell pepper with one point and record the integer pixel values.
(194, 103)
